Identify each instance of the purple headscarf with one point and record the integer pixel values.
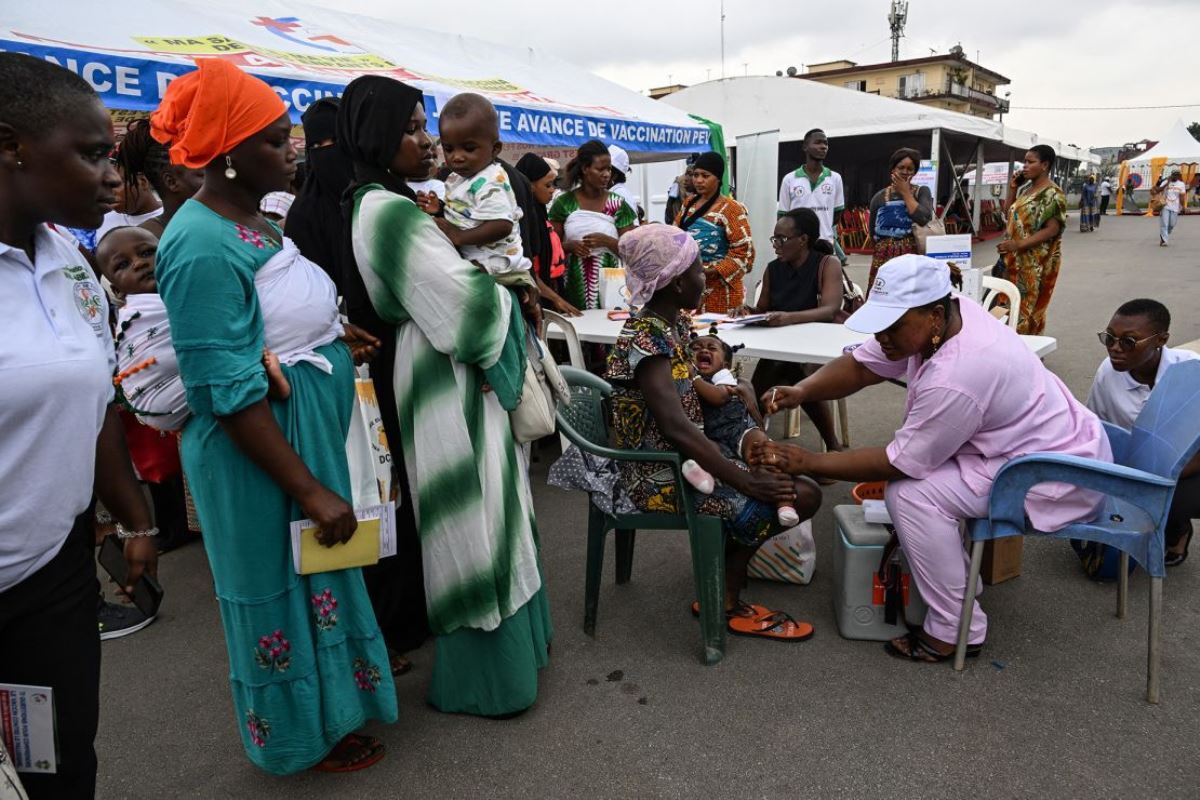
(654, 255)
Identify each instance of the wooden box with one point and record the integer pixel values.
(1002, 559)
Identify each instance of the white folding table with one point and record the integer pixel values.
(810, 343)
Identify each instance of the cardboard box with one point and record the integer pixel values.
(1002, 559)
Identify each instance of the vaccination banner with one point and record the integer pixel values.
(306, 53)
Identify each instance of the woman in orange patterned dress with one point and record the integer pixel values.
(721, 228)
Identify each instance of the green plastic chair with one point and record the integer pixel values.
(585, 423)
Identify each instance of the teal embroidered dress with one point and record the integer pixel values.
(307, 662)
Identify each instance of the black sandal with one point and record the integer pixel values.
(398, 664)
(924, 653)
(1175, 559)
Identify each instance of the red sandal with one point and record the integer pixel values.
(351, 754)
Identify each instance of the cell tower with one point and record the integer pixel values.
(896, 19)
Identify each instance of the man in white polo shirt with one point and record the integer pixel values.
(1138, 357)
(814, 185)
(59, 437)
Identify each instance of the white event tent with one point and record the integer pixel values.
(305, 52)
(865, 127)
(765, 119)
(1176, 150)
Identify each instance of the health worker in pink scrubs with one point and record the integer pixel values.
(977, 397)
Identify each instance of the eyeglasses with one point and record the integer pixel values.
(1125, 343)
(780, 241)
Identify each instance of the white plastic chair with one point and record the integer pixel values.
(574, 349)
(997, 289)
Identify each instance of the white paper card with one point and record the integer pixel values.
(27, 726)
(954, 247)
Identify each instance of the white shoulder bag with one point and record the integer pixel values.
(533, 417)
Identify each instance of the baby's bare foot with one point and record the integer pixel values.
(278, 387)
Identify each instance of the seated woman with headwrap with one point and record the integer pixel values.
(655, 408)
(306, 659)
(456, 332)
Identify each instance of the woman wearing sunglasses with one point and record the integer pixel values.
(803, 284)
(1136, 339)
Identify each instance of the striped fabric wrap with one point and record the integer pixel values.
(469, 484)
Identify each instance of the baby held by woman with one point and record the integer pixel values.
(731, 417)
(481, 213)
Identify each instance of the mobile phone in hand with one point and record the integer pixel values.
(147, 594)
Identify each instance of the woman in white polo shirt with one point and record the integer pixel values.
(1136, 339)
(59, 435)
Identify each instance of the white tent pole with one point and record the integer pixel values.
(935, 155)
(977, 195)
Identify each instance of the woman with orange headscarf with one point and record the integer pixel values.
(308, 665)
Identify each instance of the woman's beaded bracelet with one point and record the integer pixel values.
(124, 534)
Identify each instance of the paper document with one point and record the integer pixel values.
(721, 320)
(374, 539)
(27, 726)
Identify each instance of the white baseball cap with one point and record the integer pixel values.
(620, 159)
(908, 281)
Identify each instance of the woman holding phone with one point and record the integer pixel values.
(1032, 249)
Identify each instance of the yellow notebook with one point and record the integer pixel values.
(371, 540)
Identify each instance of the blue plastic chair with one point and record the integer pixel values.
(584, 422)
(1139, 486)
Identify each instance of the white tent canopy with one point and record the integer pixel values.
(794, 105)
(305, 52)
(1177, 145)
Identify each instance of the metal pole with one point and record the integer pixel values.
(977, 197)
(722, 38)
(1153, 650)
(935, 154)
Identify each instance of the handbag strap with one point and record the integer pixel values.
(891, 577)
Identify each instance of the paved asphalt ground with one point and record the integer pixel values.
(1054, 708)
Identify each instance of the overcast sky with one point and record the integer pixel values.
(1057, 55)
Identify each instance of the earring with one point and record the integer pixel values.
(230, 172)
(937, 341)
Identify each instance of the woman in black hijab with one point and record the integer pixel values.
(396, 585)
(314, 221)
(550, 262)
(453, 330)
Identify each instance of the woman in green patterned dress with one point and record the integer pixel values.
(307, 662)
(589, 219)
(459, 368)
(1032, 250)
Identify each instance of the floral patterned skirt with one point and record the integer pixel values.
(307, 662)
(652, 488)
(885, 250)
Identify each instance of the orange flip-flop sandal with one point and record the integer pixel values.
(774, 625)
